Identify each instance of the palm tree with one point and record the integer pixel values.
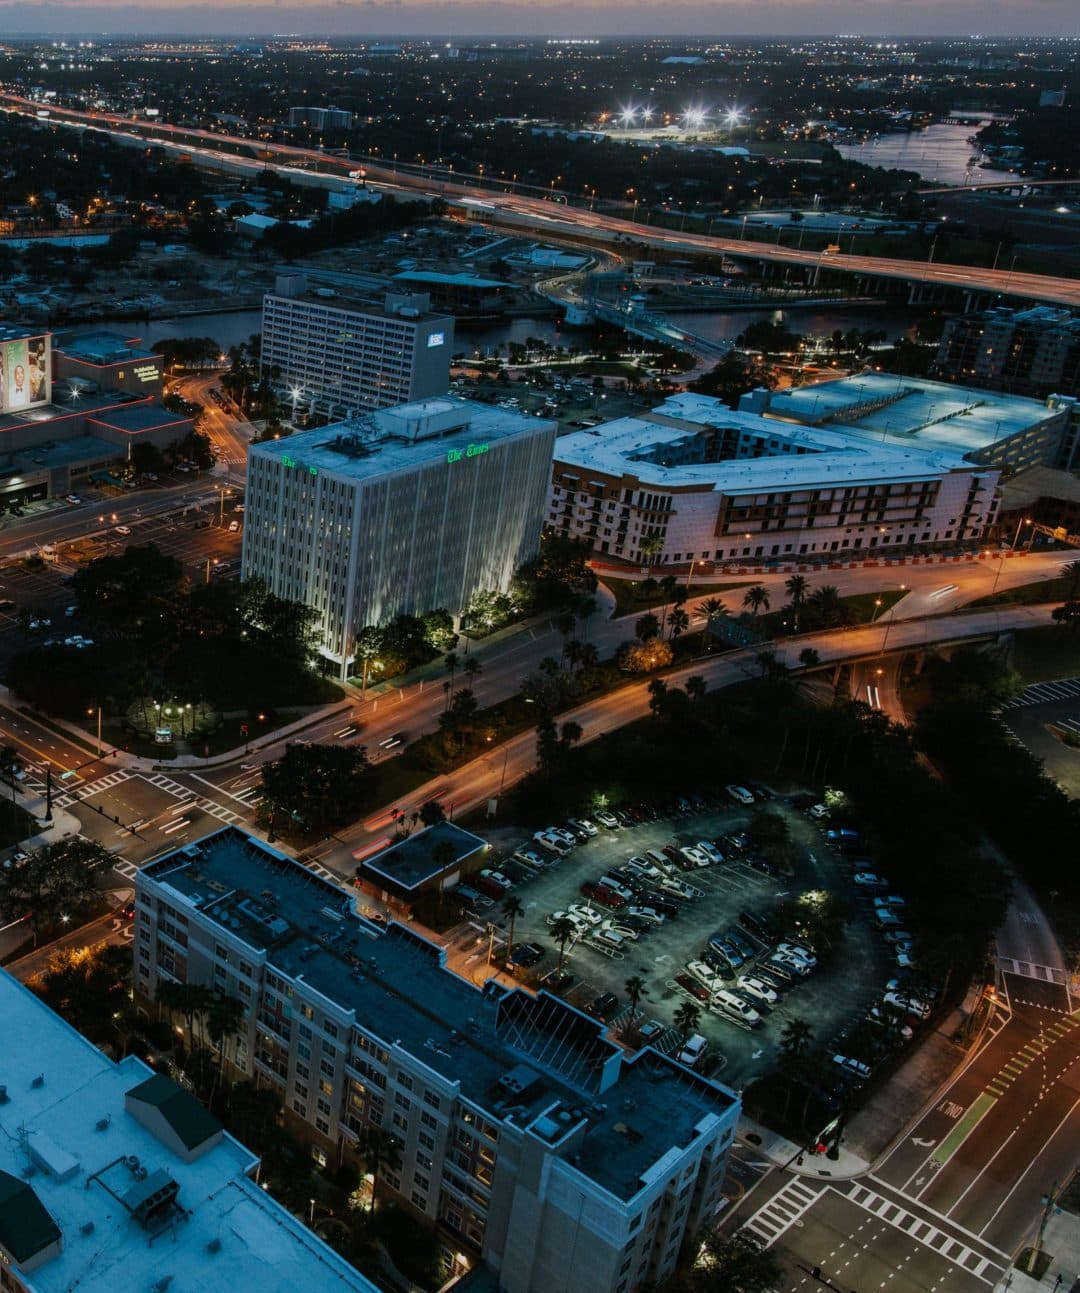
(826, 603)
(586, 608)
(756, 598)
(472, 668)
(635, 990)
(451, 662)
(696, 687)
(795, 1038)
(563, 931)
(512, 908)
(678, 623)
(651, 546)
(713, 609)
(686, 1019)
(796, 587)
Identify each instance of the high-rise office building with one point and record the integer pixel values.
(526, 1136)
(329, 118)
(404, 509)
(114, 1177)
(337, 356)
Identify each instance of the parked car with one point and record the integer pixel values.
(695, 856)
(724, 947)
(553, 842)
(800, 951)
(645, 868)
(787, 967)
(730, 1003)
(497, 877)
(583, 824)
(649, 913)
(608, 820)
(763, 865)
(692, 1051)
(909, 1005)
(123, 529)
(472, 897)
(758, 926)
(758, 989)
(705, 974)
(73, 498)
(740, 795)
(650, 1031)
(819, 812)
(711, 851)
(557, 981)
(606, 897)
(525, 955)
(693, 986)
(853, 1067)
(586, 913)
(870, 880)
(535, 859)
(603, 1006)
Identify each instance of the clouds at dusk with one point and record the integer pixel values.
(461, 18)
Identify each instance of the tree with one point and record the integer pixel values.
(317, 786)
(756, 598)
(809, 658)
(713, 609)
(651, 546)
(1070, 573)
(734, 1262)
(138, 589)
(678, 623)
(635, 990)
(828, 609)
(190, 1000)
(585, 608)
(381, 1153)
(686, 1019)
(696, 687)
(563, 931)
(796, 587)
(472, 668)
(450, 660)
(512, 908)
(54, 884)
(643, 657)
(646, 627)
(369, 642)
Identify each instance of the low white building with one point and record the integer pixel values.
(112, 1177)
(402, 510)
(882, 465)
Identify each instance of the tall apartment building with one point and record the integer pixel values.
(338, 356)
(114, 1177)
(527, 1138)
(1029, 352)
(329, 118)
(404, 509)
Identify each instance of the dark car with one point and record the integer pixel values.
(664, 906)
(604, 896)
(603, 1006)
(689, 984)
(557, 981)
(578, 832)
(715, 960)
(760, 864)
(760, 791)
(525, 955)
(758, 926)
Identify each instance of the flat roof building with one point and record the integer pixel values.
(858, 465)
(527, 1137)
(428, 859)
(337, 356)
(401, 510)
(114, 1177)
(109, 360)
(1031, 352)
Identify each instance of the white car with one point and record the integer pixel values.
(820, 812)
(909, 1005)
(578, 923)
(650, 914)
(870, 880)
(799, 952)
(740, 795)
(583, 823)
(898, 936)
(905, 957)
(643, 867)
(758, 989)
(497, 877)
(613, 927)
(793, 963)
(579, 911)
(694, 856)
(711, 851)
(123, 529)
(705, 975)
(567, 837)
(73, 498)
(552, 842)
(607, 820)
(854, 1068)
(733, 1004)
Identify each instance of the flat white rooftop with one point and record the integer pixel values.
(634, 447)
(60, 1091)
(404, 437)
(886, 409)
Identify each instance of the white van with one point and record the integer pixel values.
(693, 1051)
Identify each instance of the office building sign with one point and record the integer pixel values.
(436, 339)
(24, 373)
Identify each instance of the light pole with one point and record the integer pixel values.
(1019, 525)
(214, 560)
(89, 713)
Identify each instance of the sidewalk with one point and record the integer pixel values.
(1061, 1242)
(798, 1161)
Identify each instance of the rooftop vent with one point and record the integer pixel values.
(102, 1124)
(214, 1246)
(87, 1228)
(39, 1080)
(4, 1097)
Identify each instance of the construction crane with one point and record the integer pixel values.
(1056, 532)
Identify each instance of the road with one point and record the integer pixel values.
(514, 210)
(230, 435)
(112, 928)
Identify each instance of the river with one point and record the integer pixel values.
(229, 328)
(940, 153)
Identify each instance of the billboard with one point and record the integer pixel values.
(25, 378)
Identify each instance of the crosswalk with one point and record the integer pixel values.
(782, 1211)
(1029, 970)
(978, 1263)
(1040, 692)
(91, 788)
(188, 796)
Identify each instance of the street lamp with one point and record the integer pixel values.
(89, 714)
(210, 560)
(1019, 525)
(295, 392)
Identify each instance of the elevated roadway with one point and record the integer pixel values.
(538, 216)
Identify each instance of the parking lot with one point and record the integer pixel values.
(832, 996)
(195, 540)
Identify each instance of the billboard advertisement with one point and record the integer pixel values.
(25, 379)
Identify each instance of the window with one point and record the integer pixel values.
(301, 1089)
(428, 1120)
(322, 1125)
(425, 1162)
(401, 1122)
(419, 1200)
(405, 1082)
(300, 1107)
(427, 1141)
(327, 1088)
(432, 1099)
(420, 1179)
(402, 1100)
